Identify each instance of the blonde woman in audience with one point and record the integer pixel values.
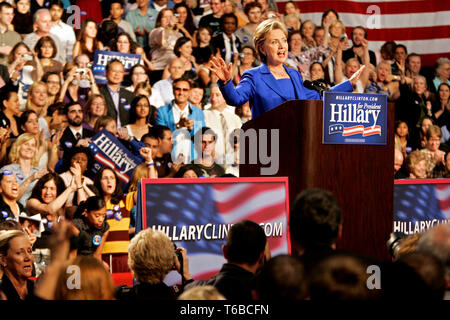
(434, 156)
(95, 108)
(416, 164)
(307, 30)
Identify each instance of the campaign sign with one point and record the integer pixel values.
(354, 118)
(420, 204)
(196, 214)
(101, 59)
(108, 151)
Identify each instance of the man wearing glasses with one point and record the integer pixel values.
(183, 119)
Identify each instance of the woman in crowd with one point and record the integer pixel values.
(183, 50)
(53, 82)
(10, 110)
(94, 108)
(138, 73)
(23, 161)
(78, 163)
(162, 40)
(442, 71)
(16, 262)
(292, 22)
(416, 165)
(271, 44)
(150, 267)
(317, 73)
(37, 99)
(46, 51)
(23, 18)
(118, 217)
(49, 195)
(291, 8)
(441, 106)
(72, 91)
(125, 44)
(384, 82)
(203, 51)
(434, 156)
(247, 58)
(401, 132)
(142, 116)
(307, 32)
(87, 41)
(46, 154)
(197, 95)
(421, 141)
(16, 62)
(145, 89)
(185, 21)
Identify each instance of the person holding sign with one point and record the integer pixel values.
(270, 84)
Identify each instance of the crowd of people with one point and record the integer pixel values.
(169, 111)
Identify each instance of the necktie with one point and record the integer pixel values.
(78, 136)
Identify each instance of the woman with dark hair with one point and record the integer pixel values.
(189, 171)
(441, 106)
(87, 41)
(185, 18)
(53, 81)
(125, 44)
(203, 49)
(183, 50)
(115, 250)
(142, 116)
(247, 58)
(78, 164)
(46, 51)
(49, 195)
(138, 73)
(10, 110)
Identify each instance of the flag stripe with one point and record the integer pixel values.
(390, 7)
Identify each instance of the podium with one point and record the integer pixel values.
(361, 177)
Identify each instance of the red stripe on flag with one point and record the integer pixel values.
(245, 196)
(403, 34)
(391, 7)
(430, 58)
(268, 213)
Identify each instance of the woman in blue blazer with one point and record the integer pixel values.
(270, 84)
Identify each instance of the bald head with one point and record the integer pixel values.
(398, 160)
(176, 68)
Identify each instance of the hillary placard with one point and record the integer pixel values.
(354, 118)
(101, 59)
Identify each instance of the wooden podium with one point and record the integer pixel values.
(360, 177)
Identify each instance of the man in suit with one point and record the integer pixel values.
(118, 99)
(183, 119)
(74, 135)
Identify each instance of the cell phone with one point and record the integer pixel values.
(27, 57)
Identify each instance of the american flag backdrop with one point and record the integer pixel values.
(423, 26)
(178, 203)
(420, 204)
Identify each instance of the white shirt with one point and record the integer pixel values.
(228, 108)
(66, 36)
(74, 132)
(165, 90)
(225, 155)
(178, 113)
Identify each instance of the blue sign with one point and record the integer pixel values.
(109, 152)
(354, 118)
(101, 59)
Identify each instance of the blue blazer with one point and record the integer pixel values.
(262, 90)
(164, 117)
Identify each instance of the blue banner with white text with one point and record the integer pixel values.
(101, 59)
(354, 118)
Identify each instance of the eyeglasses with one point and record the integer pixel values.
(181, 89)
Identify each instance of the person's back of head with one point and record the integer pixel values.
(340, 277)
(246, 241)
(282, 278)
(315, 219)
(94, 281)
(201, 293)
(430, 269)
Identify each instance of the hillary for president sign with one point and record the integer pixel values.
(101, 59)
(109, 152)
(354, 118)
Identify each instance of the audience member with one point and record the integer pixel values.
(87, 40)
(202, 293)
(53, 81)
(9, 38)
(205, 145)
(94, 108)
(165, 87)
(142, 20)
(150, 266)
(9, 112)
(244, 252)
(59, 29)
(441, 107)
(9, 191)
(23, 19)
(398, 67)
(74, 135)
(185, 21)
(213, 20)
(245, 34)
(116, 12)
(359, 37)
(442, 71)
(416, 164)
(142, 116)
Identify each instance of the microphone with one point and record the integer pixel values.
(316, 86)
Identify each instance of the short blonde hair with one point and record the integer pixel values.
(151, 256)
(30, 91)
(414, 158)
(140, 172)
(96, 282)
(14, 152)
(340, 23)
(202, 293)
(262, 30)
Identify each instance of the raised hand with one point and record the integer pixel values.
(355, 77)
(146, 153)
(218, 66)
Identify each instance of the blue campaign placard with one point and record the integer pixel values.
(101, 59)
(354, 118)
